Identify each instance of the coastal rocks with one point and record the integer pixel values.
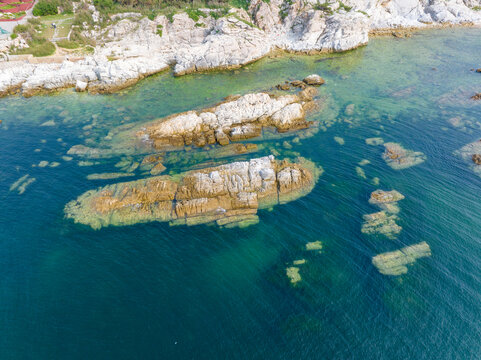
(400, 158)
(476, 96)
(236, 119)
(314, 80)
(395, 262)
(314, 246)
(225, 194)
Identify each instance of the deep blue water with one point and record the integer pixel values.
(154, 291)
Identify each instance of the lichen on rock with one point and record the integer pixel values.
(225, 194)
(394, 262)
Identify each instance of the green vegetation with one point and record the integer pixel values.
(344, 6)
(159, 30)
(242, 4)
(38, 47)
(14, 36)
(68, 44)
(45, 7)
(476, 8)
(245, 21)
(195, 14)
(324, 7)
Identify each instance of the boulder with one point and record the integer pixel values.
(314, 79)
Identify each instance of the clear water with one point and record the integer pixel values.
(154, 291)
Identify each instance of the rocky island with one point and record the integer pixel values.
(229, 195)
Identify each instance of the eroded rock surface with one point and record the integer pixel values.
(395, 262)
(237, 118)
(227, 194)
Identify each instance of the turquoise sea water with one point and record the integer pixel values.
(153, 291)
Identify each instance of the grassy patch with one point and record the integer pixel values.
(67, 44)
(344, 6)
(195, 14)
(38, 47)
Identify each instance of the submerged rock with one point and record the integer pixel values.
(339, 140)
(21, 184)
(381, 223)
(375, 141)
(471, 154)
(292, 273)
(314, 246)
(400, 158)
(394, 262)
(108, 176)
(361, 173)
(224, 194)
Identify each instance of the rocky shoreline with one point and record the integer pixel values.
(133, 47)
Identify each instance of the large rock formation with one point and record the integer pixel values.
(227, 194)
(394, 262)
(238, 118)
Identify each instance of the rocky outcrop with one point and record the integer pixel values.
(395, 262)
(228, 195)
(238, 118)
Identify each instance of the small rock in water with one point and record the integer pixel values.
(314, 79)
(476, 96)
(299, 262)
(364, 162)
(315, 245)
(375, 141)
(157, 169)
(54, 164)
(293, 274)
(339, 140)
(360, 172)
(400, 158)
(476, 159)
(37, 150)
(394, 262)
(67, 158)
(349, 110)
(43, 164)
(49, 123)
(375, 181)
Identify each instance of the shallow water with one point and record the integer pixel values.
(155, 291)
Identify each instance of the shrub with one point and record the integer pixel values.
(14, 36)
(44, 7)
(242, 4)
(195, 14)
(104, 5)
(20, 29)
